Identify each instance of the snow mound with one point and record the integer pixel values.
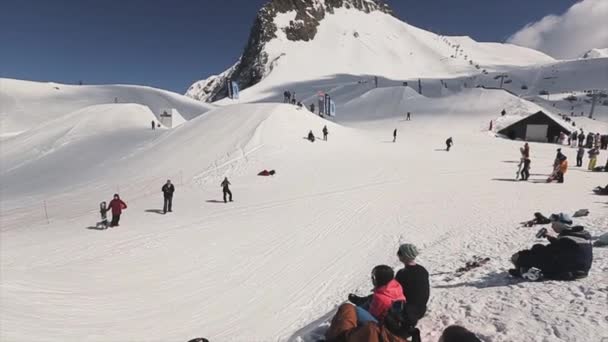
(26, 104)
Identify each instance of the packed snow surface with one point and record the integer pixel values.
(291, 247)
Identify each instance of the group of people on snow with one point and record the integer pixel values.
(591, 140)
(392, 311)
(311, 136)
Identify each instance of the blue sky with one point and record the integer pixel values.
(172, 43)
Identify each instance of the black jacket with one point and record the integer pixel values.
(571, 251)
(416, 289)
(168, 190)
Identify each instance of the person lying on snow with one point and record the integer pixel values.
(567, 257)
(601, 191)
(386, 291)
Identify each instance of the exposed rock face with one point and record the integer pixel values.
(254, 63)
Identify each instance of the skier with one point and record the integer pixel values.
(117, 206)
(408, 117)
(225, 188)
(168, 189)
(325, 133)
(449, 143)
(567, 256)
(311, 136)
(579, 156)
(153, 125)
(593, 153)
(395, 135)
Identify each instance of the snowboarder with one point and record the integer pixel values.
(395, 135)
(311, 136)
(593, 153)
(153, 125)
(567, 256)
(408, 117)
(117, 206)
(503, 113)
(325, 132)
(579, 156)
(225, 188)
(168, 189)
(449, 143)
(312, 107)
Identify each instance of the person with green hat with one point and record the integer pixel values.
(414, 280)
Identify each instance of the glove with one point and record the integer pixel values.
(356, 299)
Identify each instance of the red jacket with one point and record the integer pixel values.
(117, 205)
(383, 298)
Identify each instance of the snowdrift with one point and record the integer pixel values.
(26, 104)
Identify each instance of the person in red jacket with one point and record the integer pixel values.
(386, 291)
(117, 206)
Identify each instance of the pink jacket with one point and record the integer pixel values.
(383, 298)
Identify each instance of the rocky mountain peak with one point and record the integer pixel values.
(254, 65)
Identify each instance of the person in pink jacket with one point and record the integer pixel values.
(386, 291)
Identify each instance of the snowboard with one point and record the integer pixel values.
(103, 224)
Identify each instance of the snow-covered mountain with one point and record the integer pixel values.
(296, 40)
(596, 53)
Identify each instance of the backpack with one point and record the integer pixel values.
(397, 321)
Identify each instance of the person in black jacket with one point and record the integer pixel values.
(567, 257)
(449, 143)
(226, 189)
(168, 190)
(414, 280)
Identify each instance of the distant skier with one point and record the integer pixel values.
(503, 113)
(491, 125)
(325, 133)
(117, 206)
(579, 156)
(312, 107)
(395, 135)
(153, 125)
(311, 136)
(408, 117)
(449, 143)
(226, 189)
(168, 190)
(573, 138)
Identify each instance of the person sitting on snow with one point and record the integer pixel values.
(311, 136)
(386, 291)
(567, 257)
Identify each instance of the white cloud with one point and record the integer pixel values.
(583, 27)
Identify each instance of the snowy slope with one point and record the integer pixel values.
(25, 104)
(291, 247)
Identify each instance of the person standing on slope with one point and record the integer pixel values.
(153, 125)
(449, 143)
(408, 117)
(168, 190)
(593, 153)
(325, 132)
(414, 280)
(226, 189)
(395, 135)
(117, 206)
(579, 156)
